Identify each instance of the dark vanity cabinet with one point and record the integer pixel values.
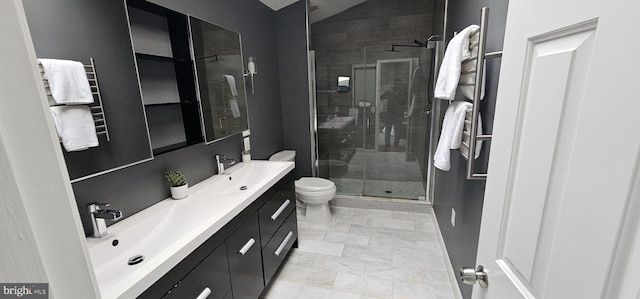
(241, 258)
(211, 276)
(160, 40)
(278, 228)
(245, 260)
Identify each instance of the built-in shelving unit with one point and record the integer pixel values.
(160, 40)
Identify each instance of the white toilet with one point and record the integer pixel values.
(315, 193)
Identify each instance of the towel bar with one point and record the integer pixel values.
(471, 120)
(97, 109)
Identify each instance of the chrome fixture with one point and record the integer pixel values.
(221, 160)
(470, 276)
(98, 215)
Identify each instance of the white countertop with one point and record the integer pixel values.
(168, 231)
(337, 123)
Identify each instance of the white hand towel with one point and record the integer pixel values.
(235, 110)
(67, 81)
(75, 126)
(451, 135)
(232, 85)
(449, 75)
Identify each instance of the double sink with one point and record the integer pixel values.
(143, 247)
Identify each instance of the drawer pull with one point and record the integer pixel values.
(284, 205)
(284, 243)
(247, 246)
(205, 293)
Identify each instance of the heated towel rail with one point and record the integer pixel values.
(97, 110)
(477, 93)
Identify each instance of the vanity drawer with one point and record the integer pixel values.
(210, 276)
(274, 212)
(245, 260)
(276, 250)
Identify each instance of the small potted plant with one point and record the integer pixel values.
(246, 156)
(178, 184)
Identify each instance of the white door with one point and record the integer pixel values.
(560, 206)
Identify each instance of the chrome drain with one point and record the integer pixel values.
(243, 187)
(136, 259)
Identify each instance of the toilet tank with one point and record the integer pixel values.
(287, 155)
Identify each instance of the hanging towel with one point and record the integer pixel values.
(449, 75)
(235, 110)
(75, 126)
(232, 84)
(451, 135)
(67, 81)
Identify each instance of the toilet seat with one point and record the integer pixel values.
(312, 184)
(329, 192)
(286, 155)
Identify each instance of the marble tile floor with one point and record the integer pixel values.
(365, 253)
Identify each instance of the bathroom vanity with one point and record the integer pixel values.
(227, 239)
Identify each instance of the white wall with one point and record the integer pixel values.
(42, 239)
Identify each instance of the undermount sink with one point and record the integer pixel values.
(168, 231)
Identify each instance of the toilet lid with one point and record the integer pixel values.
(287, 155)
(314, 184)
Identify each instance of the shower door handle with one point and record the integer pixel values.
(368, 124)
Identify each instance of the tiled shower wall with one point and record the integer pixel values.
(339, 41)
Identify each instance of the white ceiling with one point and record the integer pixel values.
(325, 8)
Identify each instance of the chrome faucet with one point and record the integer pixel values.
(98, 215)
(221, 160)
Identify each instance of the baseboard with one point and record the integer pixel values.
(453, 278)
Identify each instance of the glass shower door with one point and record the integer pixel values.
(395, 165)
(373, 138)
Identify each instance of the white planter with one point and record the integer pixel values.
(246, 158)
(180, 192)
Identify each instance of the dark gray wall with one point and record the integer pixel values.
(105, 38)
(291, 25)
(138, 187)
(256, 24)
(452, 189)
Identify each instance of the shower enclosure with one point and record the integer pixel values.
(373, 136)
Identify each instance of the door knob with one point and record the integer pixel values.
(470, 276)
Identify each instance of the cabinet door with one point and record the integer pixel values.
(276, 250)
(245, 260)
(209, 277)
(274, 212)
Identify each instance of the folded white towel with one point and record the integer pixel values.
(449, 75)
(235, 110)
(232, 84)
(75, 126)
(451, 135)
(67, 81)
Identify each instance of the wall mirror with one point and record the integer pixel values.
(53, 26)
(218, 61)
(343, 84)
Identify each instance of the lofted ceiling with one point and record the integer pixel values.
(318, 9)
